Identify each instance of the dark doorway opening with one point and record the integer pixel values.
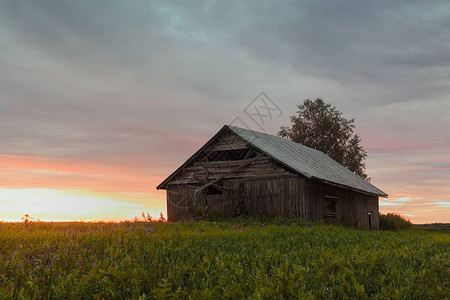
(330, 209)
(370, 221)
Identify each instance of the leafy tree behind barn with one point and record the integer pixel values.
(321, 126)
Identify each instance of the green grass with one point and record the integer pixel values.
(209, 260)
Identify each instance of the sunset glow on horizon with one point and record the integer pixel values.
(70, 205)
(58, 190)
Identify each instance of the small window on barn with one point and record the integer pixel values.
(214, 189)
(330, 208)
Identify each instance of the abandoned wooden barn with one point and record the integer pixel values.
(244, 172)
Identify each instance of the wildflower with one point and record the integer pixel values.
(235, 227)
(243, 228)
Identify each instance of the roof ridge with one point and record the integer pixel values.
(277, 136)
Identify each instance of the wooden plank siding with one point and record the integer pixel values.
(281, 195)
(290, 195)
(351, 206)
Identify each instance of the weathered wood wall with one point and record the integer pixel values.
(288, 196)
(280, 195)
(350, 205)
(283, 195)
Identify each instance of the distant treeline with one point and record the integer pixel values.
(434, 225)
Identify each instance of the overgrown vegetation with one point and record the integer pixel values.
(236, 259)
(200, 213)
(394, 221)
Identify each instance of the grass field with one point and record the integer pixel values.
(209, 260)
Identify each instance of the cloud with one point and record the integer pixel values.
(403, 200)
(395, 202)
(386, 203)
(445, 204)
(31, 171)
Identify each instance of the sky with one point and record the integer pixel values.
(102, 100)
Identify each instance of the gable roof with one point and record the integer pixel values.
(301, 159)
